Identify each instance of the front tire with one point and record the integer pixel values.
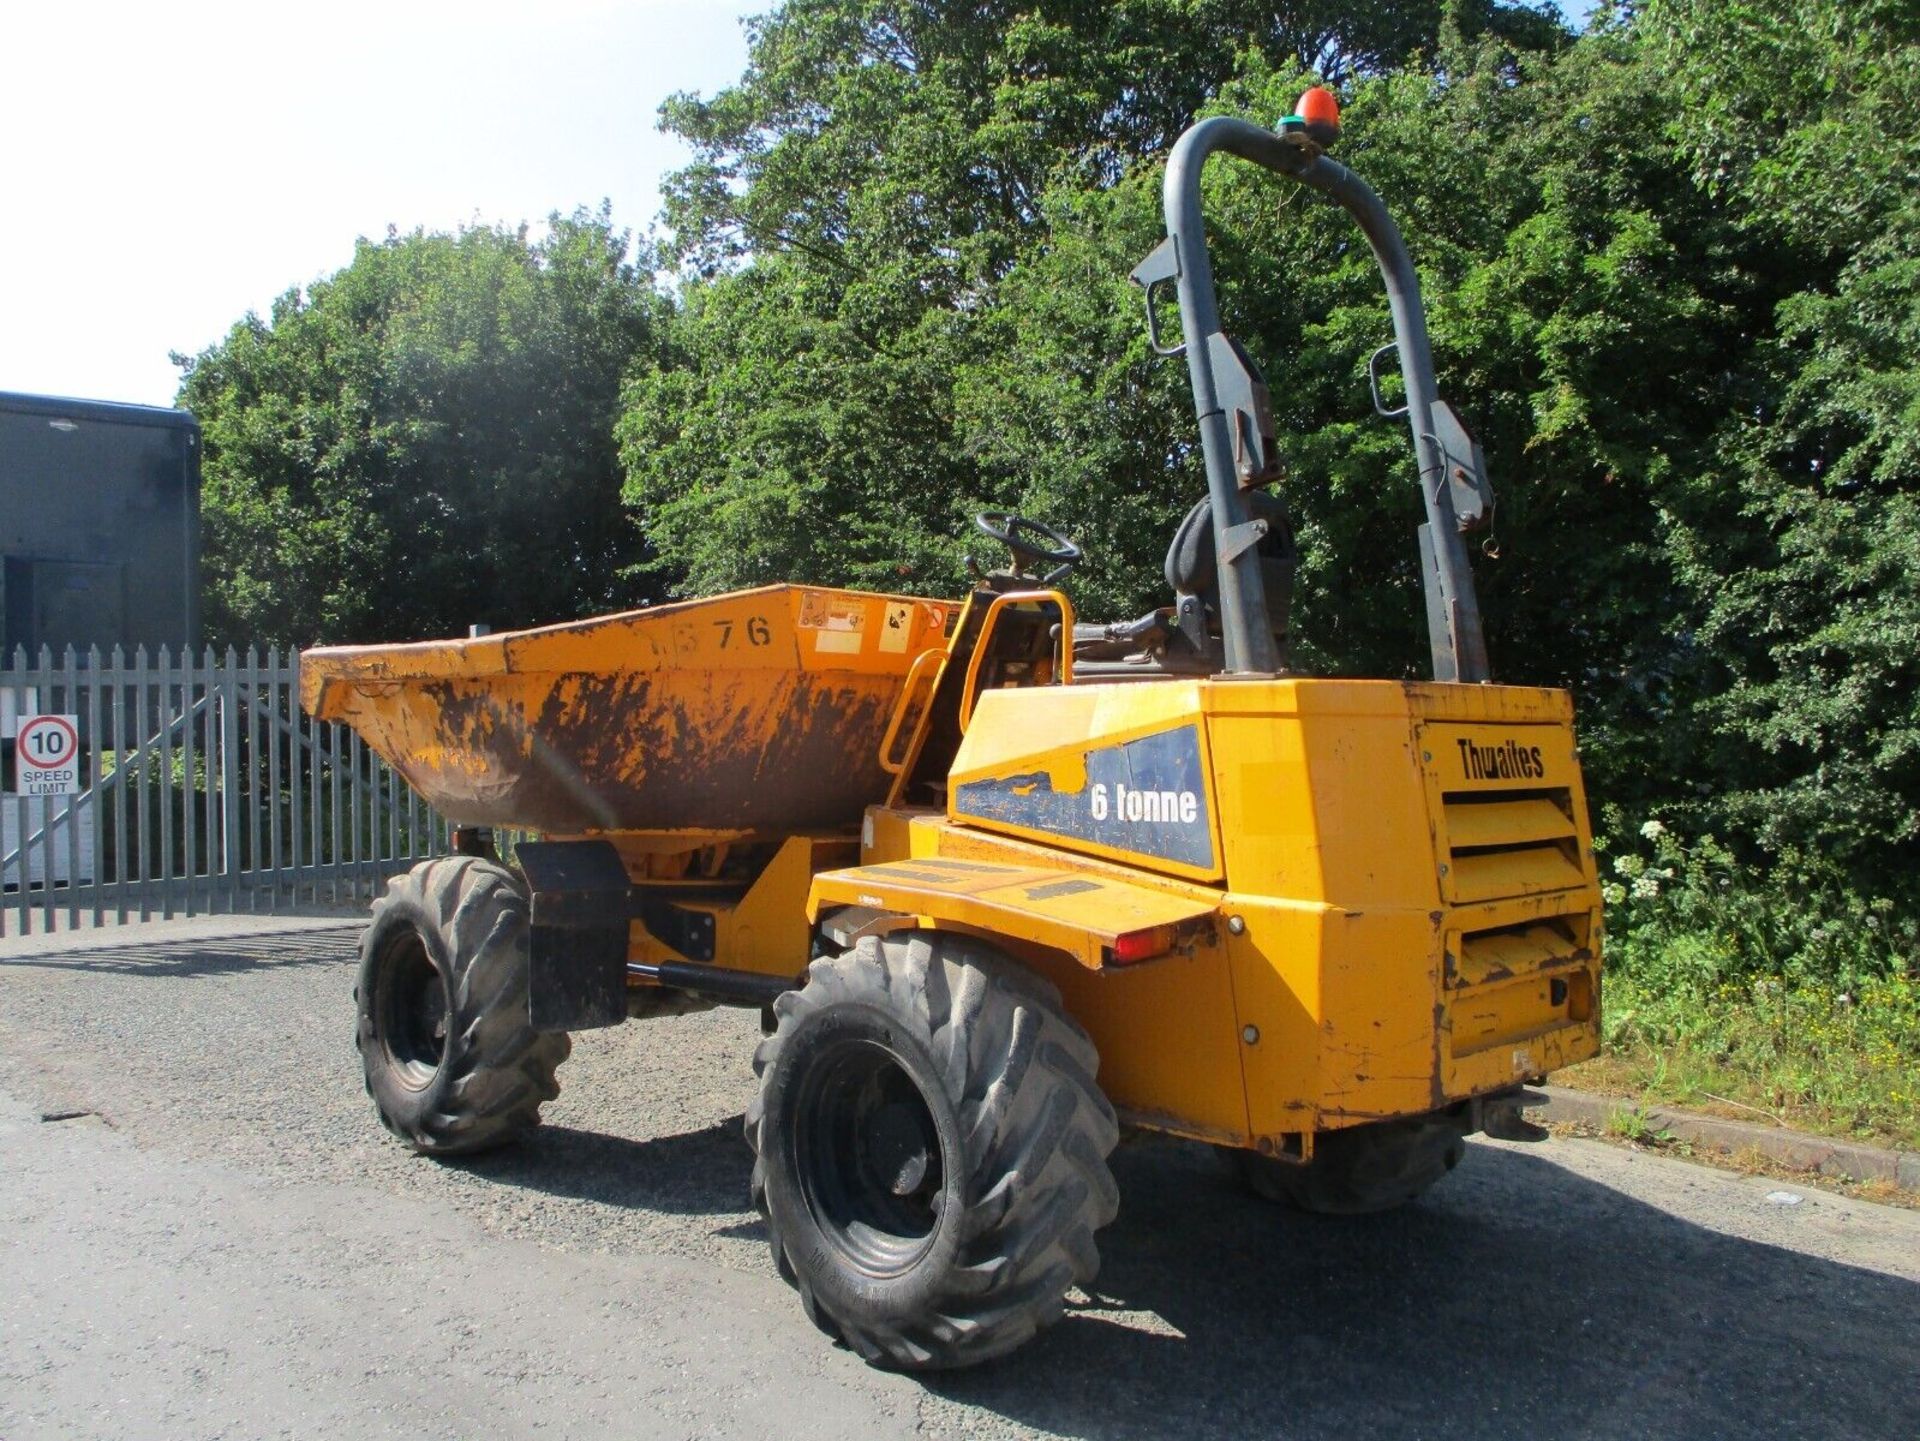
(930, 1150)
(450, 1055)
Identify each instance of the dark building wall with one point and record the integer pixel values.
(99, 524)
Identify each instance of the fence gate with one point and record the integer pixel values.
(201, 789)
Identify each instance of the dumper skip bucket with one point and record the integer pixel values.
(756, 712)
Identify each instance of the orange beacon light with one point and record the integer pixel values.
(1320, 114)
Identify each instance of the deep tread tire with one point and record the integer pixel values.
(452, 931)
(1023, 1134)
(1363, 1169)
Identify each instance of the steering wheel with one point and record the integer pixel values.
(1022, 537)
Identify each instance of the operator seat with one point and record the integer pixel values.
(1184, 638)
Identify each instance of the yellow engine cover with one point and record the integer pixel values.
(1409, 913)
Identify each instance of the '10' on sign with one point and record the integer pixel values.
(46, 756)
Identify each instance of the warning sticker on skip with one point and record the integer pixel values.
(839, 622)
(898, 626)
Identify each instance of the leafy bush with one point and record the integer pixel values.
(1789, 991)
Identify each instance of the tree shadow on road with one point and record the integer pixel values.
(1518, 1299)
(216, 956)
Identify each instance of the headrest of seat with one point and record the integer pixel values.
(1191, 567)
(1190, 560)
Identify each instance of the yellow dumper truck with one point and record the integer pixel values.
(1002, 882)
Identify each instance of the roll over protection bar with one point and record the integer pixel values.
(1231, 402)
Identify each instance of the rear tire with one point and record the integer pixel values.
(1362, 1169)
(450, 1055)
(930, 1150)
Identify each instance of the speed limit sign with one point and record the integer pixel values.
(46, 756)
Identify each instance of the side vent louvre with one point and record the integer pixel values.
(1498, 953)
(1507, 985)
(1510, 843)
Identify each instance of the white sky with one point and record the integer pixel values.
(166, 167)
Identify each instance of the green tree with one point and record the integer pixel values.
(1806, 129)
(856, 207)
(424, 439)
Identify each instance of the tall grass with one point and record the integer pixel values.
(1786, 992)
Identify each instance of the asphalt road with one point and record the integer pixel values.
(219, 1240)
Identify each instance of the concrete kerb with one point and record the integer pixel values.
(1797, 1149)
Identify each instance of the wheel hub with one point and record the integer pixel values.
(897, 1148)
(412, 1011)
(868, 1156)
